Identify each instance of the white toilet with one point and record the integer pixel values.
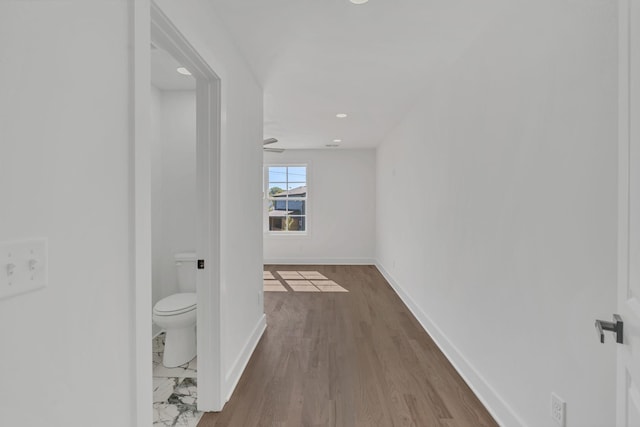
(176, 314)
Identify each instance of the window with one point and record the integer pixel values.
(286, 195)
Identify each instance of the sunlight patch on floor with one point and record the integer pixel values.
(300, 281)
(267, 275)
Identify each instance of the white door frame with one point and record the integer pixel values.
(149, 22)
(628, 355)
(140, 197)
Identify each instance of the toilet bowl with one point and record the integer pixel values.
(176, 315)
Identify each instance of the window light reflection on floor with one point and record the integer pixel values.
(290, 275)
(300, 281)
(273, 286)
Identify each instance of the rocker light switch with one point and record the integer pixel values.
(25, 266)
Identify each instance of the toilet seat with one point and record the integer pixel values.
(175, 304)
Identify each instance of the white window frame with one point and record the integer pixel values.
(266, 199)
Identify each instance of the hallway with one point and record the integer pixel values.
(356, 358)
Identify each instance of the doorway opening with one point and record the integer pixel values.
(173, 239)
(166, 35)
(153, 28)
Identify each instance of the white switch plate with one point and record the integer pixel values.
(558, 410)
(23, 266)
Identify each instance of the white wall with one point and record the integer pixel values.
(505, 176)
(65, 158)
(173, 185)
(241, 186)
(67, 351)
(341, 209)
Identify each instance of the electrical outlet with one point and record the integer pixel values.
(558, 410)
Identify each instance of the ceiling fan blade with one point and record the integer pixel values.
(269, 141)
(274, 150)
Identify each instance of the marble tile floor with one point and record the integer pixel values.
(174, 391)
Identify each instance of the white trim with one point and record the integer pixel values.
(301, 235)
(233, 376)
(287, 233)
(495, 404)
(319, 261)
(140, 200)
(623, 354)
(210, 316)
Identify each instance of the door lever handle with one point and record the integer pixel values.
(615, 326)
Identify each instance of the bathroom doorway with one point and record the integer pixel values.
(151, 27)
(173, 239)
(207, 162)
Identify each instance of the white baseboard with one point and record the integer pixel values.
(320, 261)
(233, 375)
(495, 404)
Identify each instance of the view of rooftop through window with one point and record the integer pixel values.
(287, 198)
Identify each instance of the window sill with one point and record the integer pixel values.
(286, 234)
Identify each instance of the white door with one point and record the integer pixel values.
(628, 367)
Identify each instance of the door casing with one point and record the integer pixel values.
(628, 354)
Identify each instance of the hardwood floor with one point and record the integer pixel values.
(347, 359)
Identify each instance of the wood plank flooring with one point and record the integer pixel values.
(347, 359)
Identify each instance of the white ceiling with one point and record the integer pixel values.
(163, 72)
(316, 58)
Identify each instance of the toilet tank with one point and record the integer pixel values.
(186, 267)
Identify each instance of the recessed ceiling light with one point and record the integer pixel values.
(341, 115)
(337, 140)
(358, 1)
(183, 71)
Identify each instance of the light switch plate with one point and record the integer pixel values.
(23, 266)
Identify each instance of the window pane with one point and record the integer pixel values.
(278, 205)
(297, 207)
(298, 174)
(296, 223)
(277, 223)
(277, 174)
(297, 190)
(276, 188)
(295, 185)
